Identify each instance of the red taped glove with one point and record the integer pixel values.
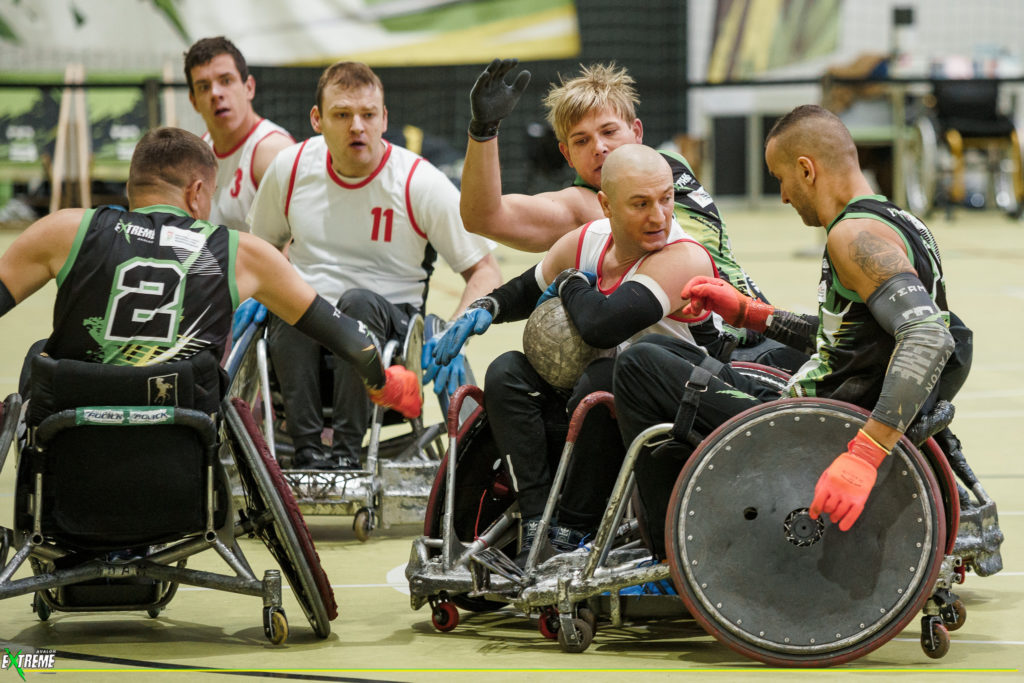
(844, 487)
(737, 309)
(401, 392)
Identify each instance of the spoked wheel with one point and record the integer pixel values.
(921, 166)
(10, 410)
(275, 515)
(764, 578)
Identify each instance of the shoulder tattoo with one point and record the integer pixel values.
(877, 258)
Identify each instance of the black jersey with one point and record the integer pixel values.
(696, 213)
(852, 349)
(144, 287)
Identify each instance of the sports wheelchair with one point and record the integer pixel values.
(744, 558)
(119, 483)
(961, 124)
(393, 486)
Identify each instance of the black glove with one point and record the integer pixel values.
(492, 99)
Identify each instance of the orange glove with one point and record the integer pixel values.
(844, 487)
(736, 309)
(401, 392)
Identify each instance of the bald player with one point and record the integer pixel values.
(619, 278)
(880, 339)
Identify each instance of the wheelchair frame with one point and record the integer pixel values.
(569, 590)
(264, 513)
(382, 493)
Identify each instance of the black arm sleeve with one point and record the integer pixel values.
(606, 321)
(794, 330)
(6, 300)
(517, 298)
(345, 337)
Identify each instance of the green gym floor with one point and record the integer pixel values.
(207, 635)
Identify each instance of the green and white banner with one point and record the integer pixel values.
(303, 32)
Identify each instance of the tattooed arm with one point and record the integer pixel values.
(871, 259)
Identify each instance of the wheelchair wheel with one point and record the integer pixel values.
(921, 166)
(275, 515)
(483, 494)
(10, 410)
(768, 581)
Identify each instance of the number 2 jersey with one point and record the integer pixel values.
(144, 287)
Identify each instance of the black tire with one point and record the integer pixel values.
(286, 535)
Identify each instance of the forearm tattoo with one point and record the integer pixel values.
(877, 258)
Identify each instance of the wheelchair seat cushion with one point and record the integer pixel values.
(56, 385)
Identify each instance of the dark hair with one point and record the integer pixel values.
(800, 114)
(203, 51)
(169, 156)
(347, 75)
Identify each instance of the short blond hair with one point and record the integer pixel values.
(598, 86)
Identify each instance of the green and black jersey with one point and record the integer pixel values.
(144, 287)
(697, 214)
(852, 349)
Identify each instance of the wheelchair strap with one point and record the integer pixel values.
(696, 385)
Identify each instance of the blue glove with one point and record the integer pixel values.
(427, 362)
(450, 377)
(250, 311)
(555, 288)
(473, 321)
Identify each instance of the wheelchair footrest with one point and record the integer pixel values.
(979, 537)
(110, 593)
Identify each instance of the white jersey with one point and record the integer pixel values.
(236, 186)
(381, 232)
(595, 240)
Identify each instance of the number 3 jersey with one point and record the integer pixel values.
(144, 287)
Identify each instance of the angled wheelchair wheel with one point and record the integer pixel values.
(483, 493)
(768, 581)
(272, 509)
(10, 410)
(921, 166)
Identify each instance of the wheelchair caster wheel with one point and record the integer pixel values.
(275, 625)
(40, 607)
(934, 637)
(154, 612)
(548, 624)
(362, 525)
(584, 636)
(444, 616)
(954, 615)
(587, 615)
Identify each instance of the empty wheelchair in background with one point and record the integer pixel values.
(959, 135)
(747, 561)
(119, 483)
(394, 483)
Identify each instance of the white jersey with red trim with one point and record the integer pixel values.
(236, 186)
(595, 240)
(381, 232)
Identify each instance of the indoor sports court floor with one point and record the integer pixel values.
(206, 635)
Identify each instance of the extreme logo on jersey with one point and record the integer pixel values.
(130, 230)
(682, 182)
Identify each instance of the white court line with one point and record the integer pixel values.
(955, 641)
